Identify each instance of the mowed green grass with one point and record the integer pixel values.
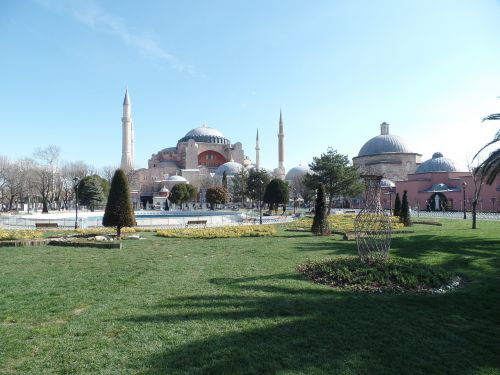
(237, 306)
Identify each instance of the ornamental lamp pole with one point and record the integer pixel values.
(260, 201)
(463, 189)
(77, 181)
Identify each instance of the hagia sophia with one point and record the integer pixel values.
(205, 153)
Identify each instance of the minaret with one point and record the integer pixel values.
(127, 163)
(281, 149)
(257, 151)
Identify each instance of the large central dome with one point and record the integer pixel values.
(384, 143)
(205, 134)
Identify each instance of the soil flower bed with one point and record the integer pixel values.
(339, 223)
(396, 275)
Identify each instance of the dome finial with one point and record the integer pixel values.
(384, 128)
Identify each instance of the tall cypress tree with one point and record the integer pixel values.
(404, 216)
(320, 226)
(119, 212)
(397, 205)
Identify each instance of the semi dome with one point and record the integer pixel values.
(231, 168)
(205, 134)
(384, 143)
(297, 172)
(438, 163)
(176, 179)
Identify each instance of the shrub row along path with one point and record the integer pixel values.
(238, 306)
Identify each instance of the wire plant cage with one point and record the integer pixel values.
(372, 225)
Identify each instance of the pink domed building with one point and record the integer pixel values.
(439, 184)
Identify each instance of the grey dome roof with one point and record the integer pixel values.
(231, 168)
(438, 163)
(299, 171)
(205, 134)
(383, 144)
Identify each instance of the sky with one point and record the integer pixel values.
(337, 69)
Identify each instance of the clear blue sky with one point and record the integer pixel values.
(336, 68)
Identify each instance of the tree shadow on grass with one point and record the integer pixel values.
(281, 323)
(453, 253)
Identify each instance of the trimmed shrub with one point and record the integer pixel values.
(119, 212)
(320, 225)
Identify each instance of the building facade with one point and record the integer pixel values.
(387, 155)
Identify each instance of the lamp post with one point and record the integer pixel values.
(463, 189)
(260, 201)
(77, 181)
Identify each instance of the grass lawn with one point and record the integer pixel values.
(237, 306)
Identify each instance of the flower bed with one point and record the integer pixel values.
(19, 234)
(105, 230)
(220, 232)
(339, 223)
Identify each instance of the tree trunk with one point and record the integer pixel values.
(118, 232)
(330, 202)
(474, 214)
(45, 208)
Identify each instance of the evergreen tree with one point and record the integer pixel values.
(404, 216)
(335, 171)
(224, 180)
(179, 194)
(320, 226)
(191, 192)
(90, 192)
(276, 193)
(119, 212)
(238, 188)
(397, 205)
(258, 179)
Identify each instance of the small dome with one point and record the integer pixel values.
(386, 183)
(164, 189)
(231, 168)
(384, 143)
(438, 163)
(205, 134)
(297, 172)
(176, 179)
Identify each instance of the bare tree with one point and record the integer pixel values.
(108, 172)
(46, 174)
(69, 172)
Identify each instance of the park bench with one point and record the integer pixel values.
(46, 225)
(349, 212)
(196, 223)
